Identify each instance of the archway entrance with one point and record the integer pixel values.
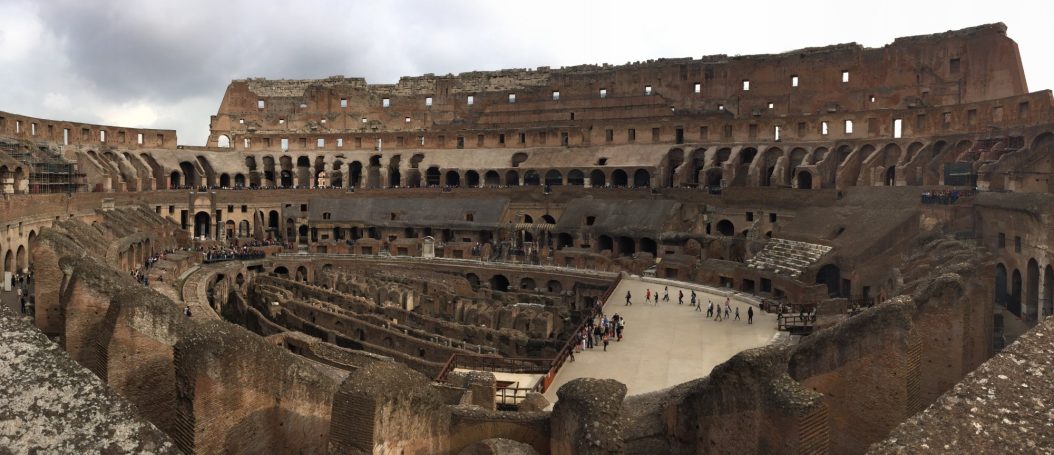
(804, 180)
(831, 276)
(202, 224)
(890, 176)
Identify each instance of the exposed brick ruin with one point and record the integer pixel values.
(396, 248)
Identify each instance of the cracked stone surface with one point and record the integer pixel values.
(1005, 406)
(53, 405)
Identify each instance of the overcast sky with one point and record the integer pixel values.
(143, 63)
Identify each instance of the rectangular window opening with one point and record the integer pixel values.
(428, 101)
(794, 81)
(845, 76)
(848, 127)
(512, 98)
(603, 93)
(823, 128)
(320, 143)
(386, 102)
(260, 104)
(698, 87)
(647, 90)
(746, 85)
(343, 102)
(556, 96)
(470, 100)
(898, 128)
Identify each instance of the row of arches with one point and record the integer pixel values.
(1028, 296)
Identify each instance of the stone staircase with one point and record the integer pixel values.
(787, 257)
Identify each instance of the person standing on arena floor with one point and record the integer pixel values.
(737, 313)
(647, 297)
(680, 297)
(628, 302)
(666, 294)
(694, 302)
(750, 315)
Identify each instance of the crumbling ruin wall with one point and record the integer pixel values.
(746, 405)
(236, 393)
(388, 409)
(587, 419)
(470, 424)
(867, 369)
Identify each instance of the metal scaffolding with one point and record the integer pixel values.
(47, 170)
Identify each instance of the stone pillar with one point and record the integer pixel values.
(587, 418)
(587, 183)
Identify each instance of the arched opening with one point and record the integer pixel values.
(9, 262)
(491, 178)
(286, 179)
(649, 246)
(281, 271)
(804, 180)
(1013, 303)
(225, 180)
(626, 246)
(499, 283)
(528, 284)
(564, 239)
(889, 178)
(473, 280)
(453, 178)
(355, 174)
(831, 276)
(228, 228)
(301, 273)
(223, 141)
(641, 178)
(1001, 293)
(239, 181)
(726, 228)
(554, 178)
(202, 223)
(548, 219)
(190, 175)
(554, 286)
(395, 177)
(472, 179)
(596, 178)
(22, 259)
(512, 178)
(604, 243)
(531, 178)
(576, 177)
(173, 180)
(302, 236)
(1032, 290)
(619, 178)
(432, 176)
(243, 228)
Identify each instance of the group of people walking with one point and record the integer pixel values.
(711, 312)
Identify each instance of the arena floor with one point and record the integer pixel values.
(665, 344)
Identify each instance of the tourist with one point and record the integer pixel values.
(628, 302)
(718, 315)
(605, 342)
(694, 299)
(750, 315)
(647, 297)
(737, 313)
(710, 309)
(620, 328)
(666, 294)
(186, 311)
(680, 297)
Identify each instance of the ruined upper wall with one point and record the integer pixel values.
(969, 65)
(64, 132)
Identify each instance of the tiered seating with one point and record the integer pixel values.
(787, 257)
